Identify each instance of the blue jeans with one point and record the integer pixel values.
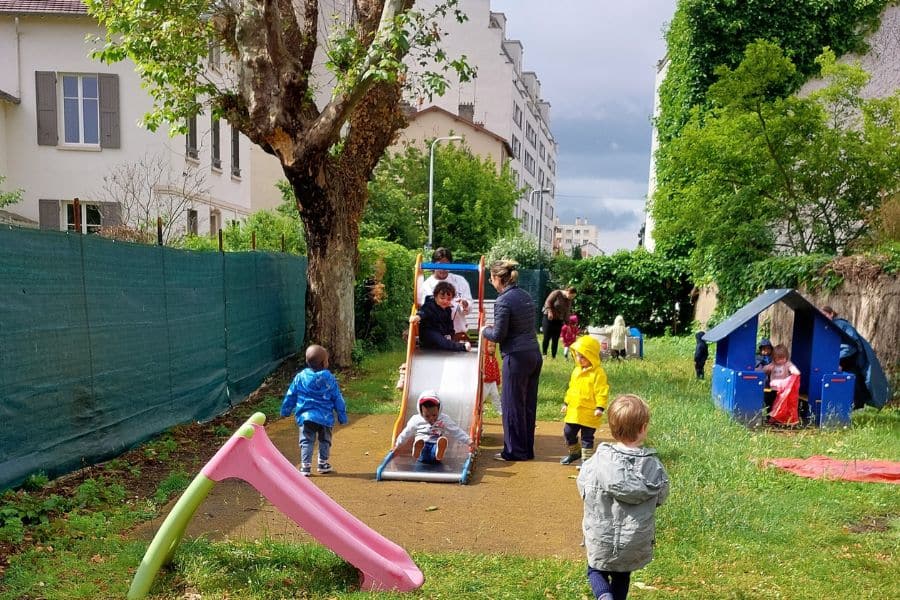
(308, 434)
(429, 454)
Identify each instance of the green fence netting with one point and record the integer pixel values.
(104, 344)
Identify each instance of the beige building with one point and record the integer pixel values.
(580, 235)
(434, 122)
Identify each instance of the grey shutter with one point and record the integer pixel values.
(109, 111)
(45, 88)
(111, 213)
(48, 211)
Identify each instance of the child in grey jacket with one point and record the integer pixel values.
(621, 485)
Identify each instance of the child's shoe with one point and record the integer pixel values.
(606, 596)
(417, 448)
(574, 454)
(441, 448)
(324, 467)
(305, 470)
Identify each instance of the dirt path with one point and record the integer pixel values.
(522, 508)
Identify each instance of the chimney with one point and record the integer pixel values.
(407, 109)
(467, 112)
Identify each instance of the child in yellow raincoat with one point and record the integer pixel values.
(585, 401)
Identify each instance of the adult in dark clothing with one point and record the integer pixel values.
(557, 308)
(701, 354)
(513, 329)
(852, 358)
(435, 319)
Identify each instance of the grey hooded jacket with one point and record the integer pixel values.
(621, 488)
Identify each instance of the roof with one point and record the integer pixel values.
(50, 7)
(10, 218)
(792, 298)
(476, 126)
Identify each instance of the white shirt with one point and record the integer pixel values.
(459, 283)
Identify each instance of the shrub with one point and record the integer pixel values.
(384, 292)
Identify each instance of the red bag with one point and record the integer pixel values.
(784, 409)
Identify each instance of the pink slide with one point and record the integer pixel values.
(383, 564)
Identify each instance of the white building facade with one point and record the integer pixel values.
(507, 101)
(69, 129)
(580, 235)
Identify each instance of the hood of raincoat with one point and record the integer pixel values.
(765, 342)
(619, 321)
(699, 335)
(588, 347)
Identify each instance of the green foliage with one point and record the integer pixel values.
(7, 198)
(649, 290)
(174, 483)
(269, 226)
(383, 292)
(520, 248)
(759, 174)
(472, 204)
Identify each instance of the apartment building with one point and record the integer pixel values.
(69, 129)
(506, 101)
(580, 235)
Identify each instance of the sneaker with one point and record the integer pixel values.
(499, 456)
(305, 470)
(569, 459)
(324, 467)
(468, 346)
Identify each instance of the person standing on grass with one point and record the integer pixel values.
(315, 396)
(618, 338)
(621, 486)
(585, 400)
(701, 354)
(513, 329)
(557, 308)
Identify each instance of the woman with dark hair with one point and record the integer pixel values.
(557, 308)
(513, 329)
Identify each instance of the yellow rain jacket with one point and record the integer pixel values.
(588, 388)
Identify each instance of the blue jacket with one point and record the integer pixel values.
(315, 396)
(436, 327)
(514, 317)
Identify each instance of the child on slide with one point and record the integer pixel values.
(429, 430)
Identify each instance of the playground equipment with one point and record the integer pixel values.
(815, 344)
(457, 378)
(251, 456)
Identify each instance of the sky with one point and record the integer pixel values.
(596, 61)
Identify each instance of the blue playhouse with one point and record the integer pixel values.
(815, 348)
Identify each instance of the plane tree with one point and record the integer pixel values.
(269, 89)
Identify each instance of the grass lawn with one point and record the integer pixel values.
(731, 529)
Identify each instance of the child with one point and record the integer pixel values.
(701, 354)
(764, 357)
(621, 488)
(585, 400)
(315, 396)
(784, 380)
(436, 321)
(569, 333)
(491, 376)
(618, 338)
(428, 429)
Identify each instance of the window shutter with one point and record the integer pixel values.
(109, 111)
(48, 214)
(111, 213)
(45, 88)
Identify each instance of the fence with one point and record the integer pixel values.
(104, 344)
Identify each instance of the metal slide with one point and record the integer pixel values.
(456, 376)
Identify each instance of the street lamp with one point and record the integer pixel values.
(431, 185)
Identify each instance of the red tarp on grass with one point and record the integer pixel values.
(823, 467)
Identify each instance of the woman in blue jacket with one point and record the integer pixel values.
(513, 329)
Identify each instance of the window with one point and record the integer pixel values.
(215, 56)
(215, 222)
(89, 219)
(541, 150)
(190, 140)
(517, 115)
(216, 148)
(541, 177)
(89, 103)
(529, 163)
(516, 146)
(192, 221)
(530, 135)
(81, 110)
(235, 152)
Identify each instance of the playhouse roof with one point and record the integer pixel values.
(792, 298)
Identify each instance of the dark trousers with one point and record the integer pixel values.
(698, 368)
(552, 329)
(609, 582)
(570, 432)
(521, 373)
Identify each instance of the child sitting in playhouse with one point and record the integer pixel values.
(784, 380)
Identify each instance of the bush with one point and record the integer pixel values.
(384, 292)
(518, 247)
